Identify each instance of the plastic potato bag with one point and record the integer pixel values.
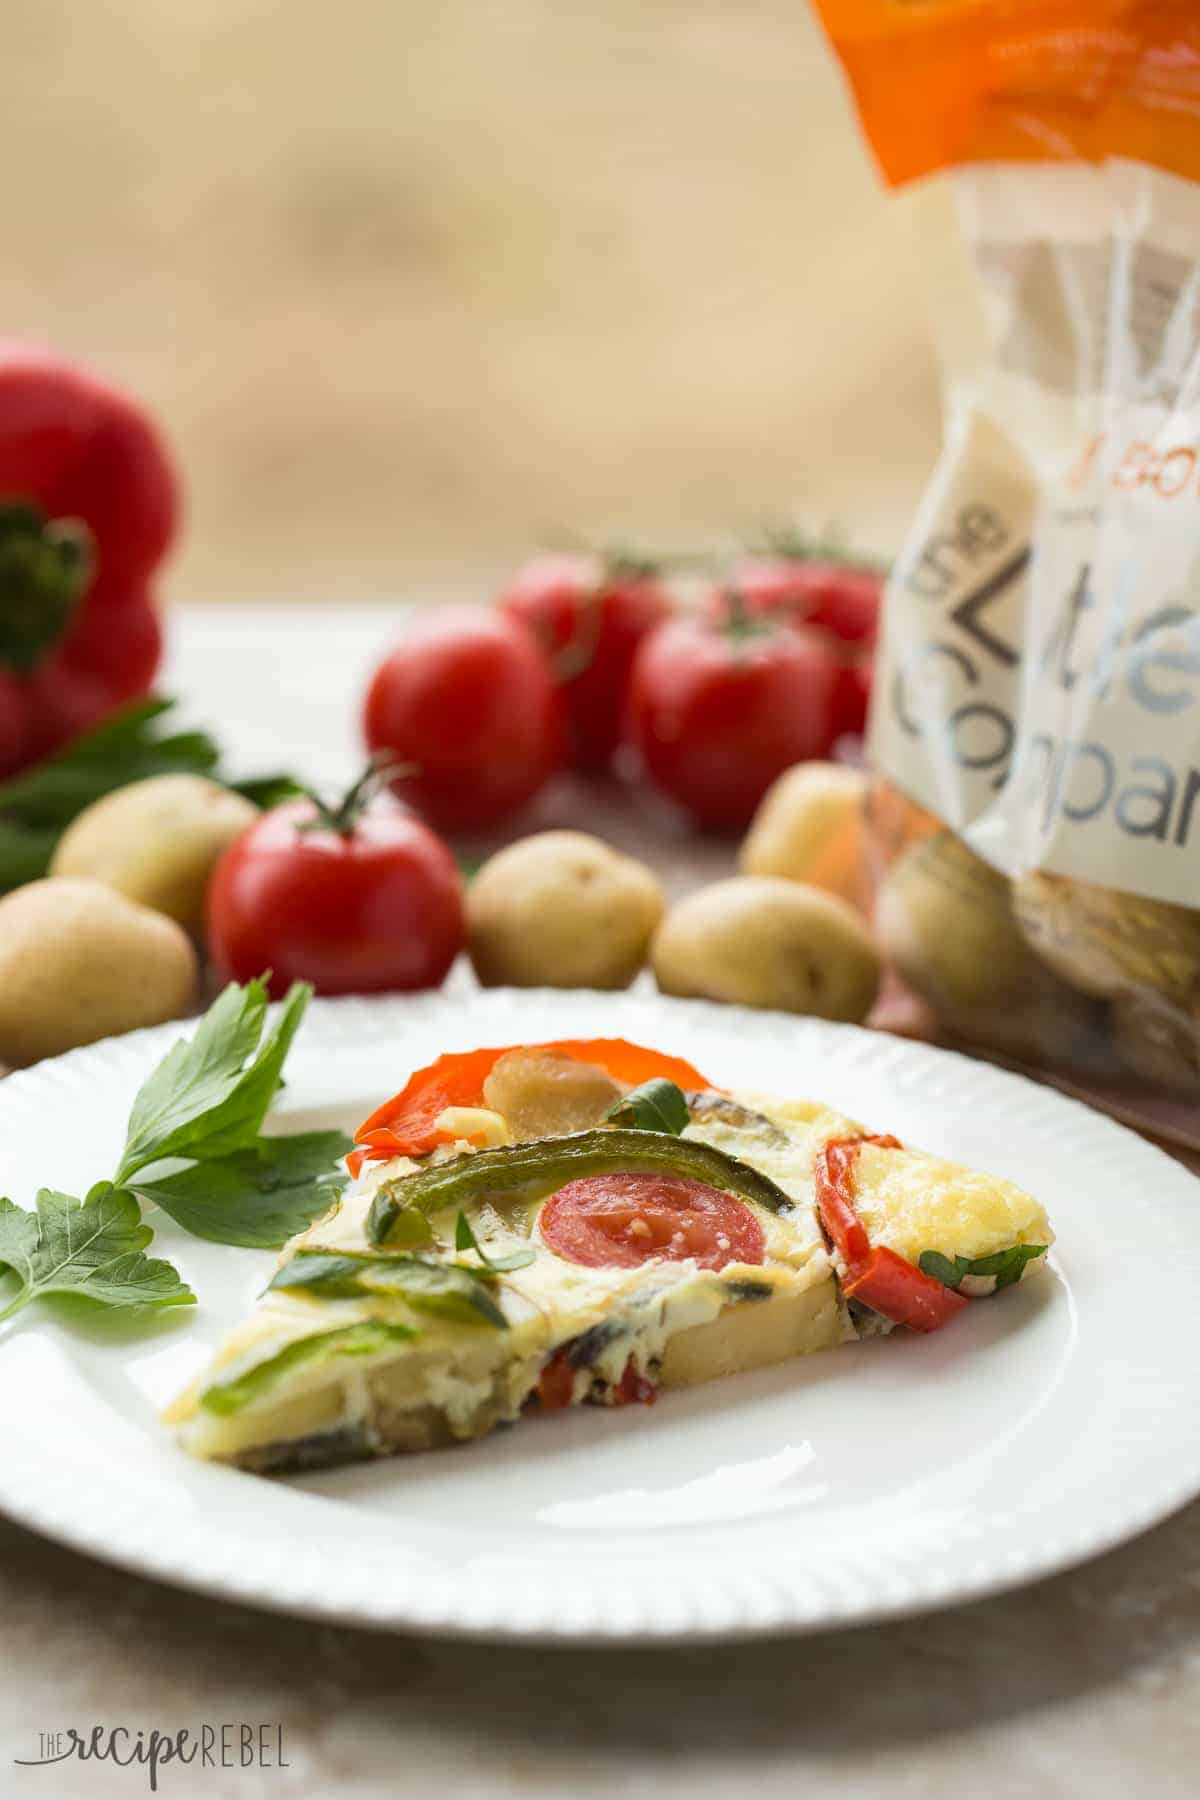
(1037, 699)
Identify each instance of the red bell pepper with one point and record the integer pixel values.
(88, 509)
(406, 1125)
(876, 1276)
(892, 1286)
(555, 1386)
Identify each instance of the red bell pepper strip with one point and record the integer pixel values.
(407, 1125)
(88, 509)
(834, 1182)
(835, 1189)
(555, 1386)
(634, 1389)
(877, 1277)
(892, 1286)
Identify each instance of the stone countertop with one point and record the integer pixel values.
(1088, 1683)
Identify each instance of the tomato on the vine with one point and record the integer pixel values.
(467, 708)
(841, 597)
(357, 899)
(590, 613)
(798, 584)
(720, 706)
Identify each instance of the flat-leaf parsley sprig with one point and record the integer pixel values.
(94, 1247)
(193, 1147)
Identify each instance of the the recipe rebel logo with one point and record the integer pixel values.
(225, 1746)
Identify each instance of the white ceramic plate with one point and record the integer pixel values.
(874, 1480)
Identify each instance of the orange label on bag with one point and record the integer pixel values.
(942, 82)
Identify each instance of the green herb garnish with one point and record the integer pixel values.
(203, 1106)
(93, 1247)
(657, 1105)
(210, 1093)
(1006, 1265)
(258, 1197)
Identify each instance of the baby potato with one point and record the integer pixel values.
(944, 919)
(540, 1093)
(1158, 1043)
(156, 841)
(561, 909)
(758, 940)
(79, 962)
(1108, 943)
(809, 827)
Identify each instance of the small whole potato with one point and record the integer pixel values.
(79, 962)
(944, 919)
(561, 909)
(1157, 1043)
(809, 827)
(1108, 943)
(758, 940)
(156, 841)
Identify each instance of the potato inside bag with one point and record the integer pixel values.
(1036, 727)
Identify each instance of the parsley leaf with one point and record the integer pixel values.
(942, 1268)
(210, 1093)
(203, 1107)
(19, 1235)
(93, 1247)
(1007, 1266)
(657, 1105)
(257, 1197)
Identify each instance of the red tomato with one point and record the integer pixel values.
(854, 697)
(620, 1221)
(839, 596)
(589, 616)
(375, 907)
(719, 710)
(468, 702)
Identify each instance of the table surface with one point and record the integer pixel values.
(1088, 1683)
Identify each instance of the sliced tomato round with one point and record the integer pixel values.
(620, 1221)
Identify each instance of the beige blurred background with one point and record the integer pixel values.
(412, 285)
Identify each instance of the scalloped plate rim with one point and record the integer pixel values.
(830, 1046)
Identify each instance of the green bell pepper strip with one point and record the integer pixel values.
(368, 1337)
(542, 1167)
